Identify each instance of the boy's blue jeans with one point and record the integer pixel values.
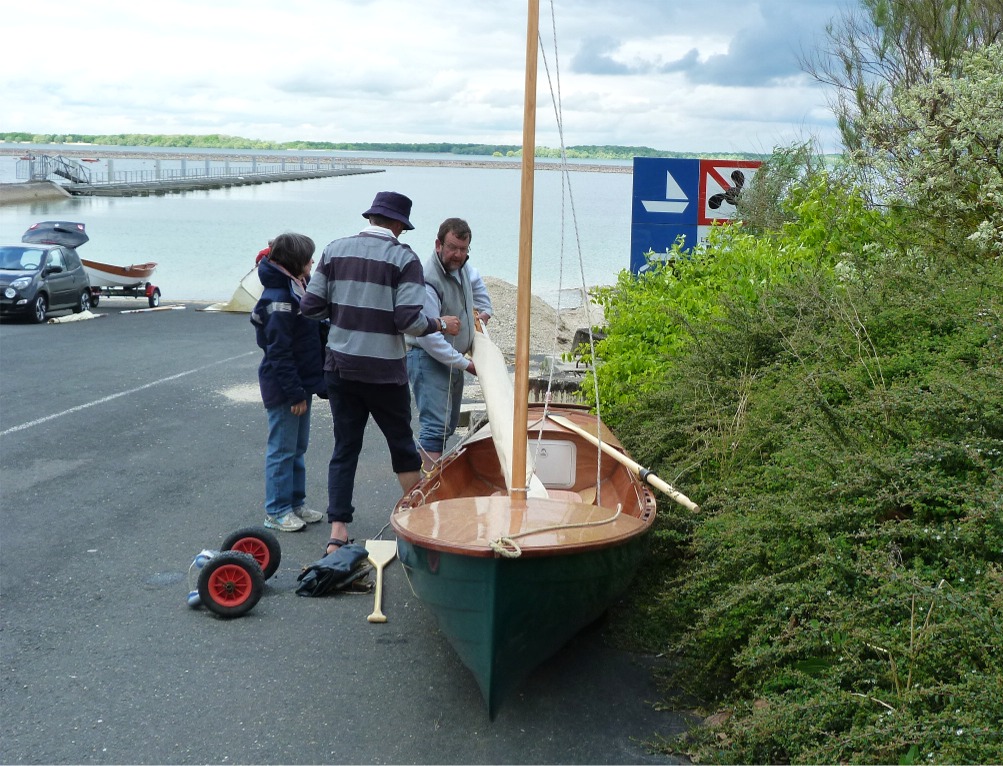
(285, 465)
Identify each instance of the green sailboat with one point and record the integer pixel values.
(536, 523)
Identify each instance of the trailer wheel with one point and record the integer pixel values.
(230, 584)
(155, 298)
(95, 300)
(259, 543)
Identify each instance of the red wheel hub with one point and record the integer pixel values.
(255, 548)
(230, 585)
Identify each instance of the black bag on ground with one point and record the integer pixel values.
(336, 571)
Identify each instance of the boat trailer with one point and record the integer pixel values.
(146, 290)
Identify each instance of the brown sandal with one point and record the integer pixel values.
(336, 543)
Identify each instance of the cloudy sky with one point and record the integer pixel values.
(677, 75)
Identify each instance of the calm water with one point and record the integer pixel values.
(205, 241)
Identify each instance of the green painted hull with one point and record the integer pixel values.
(504, 616)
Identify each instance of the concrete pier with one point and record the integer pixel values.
(31, 191)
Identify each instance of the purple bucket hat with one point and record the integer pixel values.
(392, 205)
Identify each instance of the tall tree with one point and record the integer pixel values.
(940, 153)
(889, 44)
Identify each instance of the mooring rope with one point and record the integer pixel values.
(508, 548)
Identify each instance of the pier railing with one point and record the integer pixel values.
(41, 167)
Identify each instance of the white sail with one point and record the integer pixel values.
(499, 401)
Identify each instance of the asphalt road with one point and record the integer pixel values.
(130, 442)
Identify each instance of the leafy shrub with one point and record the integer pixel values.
(840, 593)
(648, 316)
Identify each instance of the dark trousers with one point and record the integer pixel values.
(352, 402)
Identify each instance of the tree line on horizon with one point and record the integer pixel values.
(219, 141)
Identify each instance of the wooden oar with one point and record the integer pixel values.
(381, 553)
(637, 468)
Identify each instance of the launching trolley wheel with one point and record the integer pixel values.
(153, 296)
(230, 584)
(259, 543)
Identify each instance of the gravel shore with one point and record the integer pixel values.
(549, 332)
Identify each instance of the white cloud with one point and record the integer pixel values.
(687, 76)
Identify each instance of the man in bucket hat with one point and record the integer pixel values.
(371, 288)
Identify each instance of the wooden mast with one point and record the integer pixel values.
(525, 275)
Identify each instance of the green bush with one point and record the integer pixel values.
(648, 316)
(827, 383)
(840, 592)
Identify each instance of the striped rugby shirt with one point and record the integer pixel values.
(372, 288)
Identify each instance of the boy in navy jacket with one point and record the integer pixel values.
(290, 373)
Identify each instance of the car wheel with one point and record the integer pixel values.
(84, 303)
(154, 298)
(38, 308)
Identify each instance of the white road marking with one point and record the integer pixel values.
(79, 407)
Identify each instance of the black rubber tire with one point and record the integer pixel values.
(38, 308)
(259, 543)
(84, 303)
(95, 300)
(155, 298)
(230, 584)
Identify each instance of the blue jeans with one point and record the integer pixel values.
(352, 402)
(285, 466)
(438, 393)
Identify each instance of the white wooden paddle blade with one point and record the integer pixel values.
(381, 552)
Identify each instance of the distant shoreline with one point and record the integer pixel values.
(277, 157)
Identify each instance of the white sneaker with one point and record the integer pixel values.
(309, 515)
(289, 522)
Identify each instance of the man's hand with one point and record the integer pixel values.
(452, 325)
(471, 369)
(299, 408)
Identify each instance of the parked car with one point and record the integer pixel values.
(44, 272)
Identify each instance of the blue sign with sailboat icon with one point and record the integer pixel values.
(665, 206)
(682, 197)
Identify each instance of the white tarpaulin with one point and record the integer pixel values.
(244, 297)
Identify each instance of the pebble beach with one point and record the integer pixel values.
(550, 332)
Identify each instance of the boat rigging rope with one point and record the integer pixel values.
(566, 193)
(508, 548)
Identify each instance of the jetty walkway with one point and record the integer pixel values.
(71, 172)
(191, 183)
(162, 172)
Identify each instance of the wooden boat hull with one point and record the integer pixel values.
(511, 580)
(504, 617)
(107, 275)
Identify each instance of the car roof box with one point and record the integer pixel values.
(56, 233)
